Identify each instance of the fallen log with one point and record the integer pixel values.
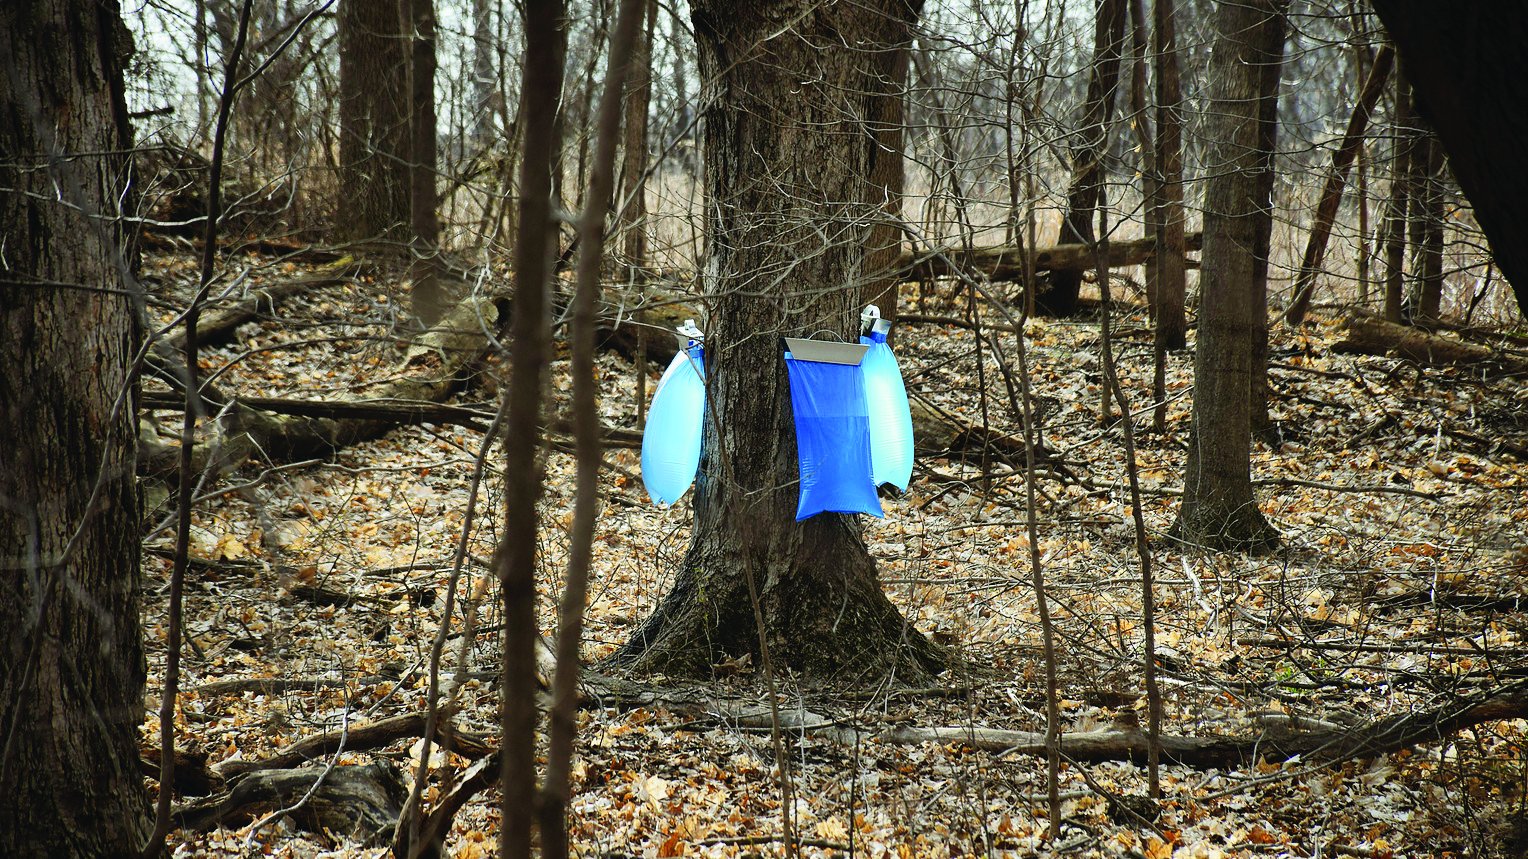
(428, 373)
(1007, 263)
(1362, 334)
(219, 325)
(361, 737)
(361, 802)
(1283, 738)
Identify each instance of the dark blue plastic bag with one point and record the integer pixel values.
(832, 438)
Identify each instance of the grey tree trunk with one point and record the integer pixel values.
(71, 657)
(373, 201)
(1218, 508)
(1059, 296)
(788, 156)
(429, 298)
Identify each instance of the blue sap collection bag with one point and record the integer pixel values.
(891, 421)
(832, 438)
(671, 439)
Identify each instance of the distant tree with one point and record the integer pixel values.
(1465, 65)
(71, 658)
(373, 200)
(792, 86)
(1171, 282)
(1268, 56)
(1059, 296)
(429, 298)
(1218, 507)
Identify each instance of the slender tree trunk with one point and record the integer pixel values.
(788, 208)
(373, 201)
(71, 656)
(633, 192)
(1268, 54)
(1218, 507)
(1402, 150)
(429, 297)
(529, 352)
(1429, 215)
(1171, 318)
(1059, 297)
(485, 78)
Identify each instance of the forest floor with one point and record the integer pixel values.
(1403, 512)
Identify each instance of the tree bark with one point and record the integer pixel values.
(789, 203)
(1466, 67)
(887, 177)
(71, 686)
(633, 191)
(1218, 509)
(1168, 303)
(373, 200)
(429, 298)
(1427, 214)
(1402, 149)
(1268, 56)
(1059, 296)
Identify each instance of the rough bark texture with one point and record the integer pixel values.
(429, 297)
(1218, 508)
(71, 659)
(1059, 297)
(1402, 149)
(790, 86)
(639, 93)
(1466, 68)
(373, 200)
(1168, 302)
(1268, 56)
(887, 177)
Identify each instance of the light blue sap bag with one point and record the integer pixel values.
(671, 439)
(832, 428)
(891, 421)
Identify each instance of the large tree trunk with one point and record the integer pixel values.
(1059, 297)
(887, 177)
(789, 204)
(1462, 63)
(373, 201)
(71, 658)
(1218, 508)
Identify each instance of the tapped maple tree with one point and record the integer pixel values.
(789, 151)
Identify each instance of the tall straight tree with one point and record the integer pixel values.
(429, 299)
(1268, 56)
(1218, 508)
(1059, 296)
(791, 94)
(373, 200)
(71, 658)
(1170, 298)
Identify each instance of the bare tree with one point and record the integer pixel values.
(788, 150)
(1218, 507)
